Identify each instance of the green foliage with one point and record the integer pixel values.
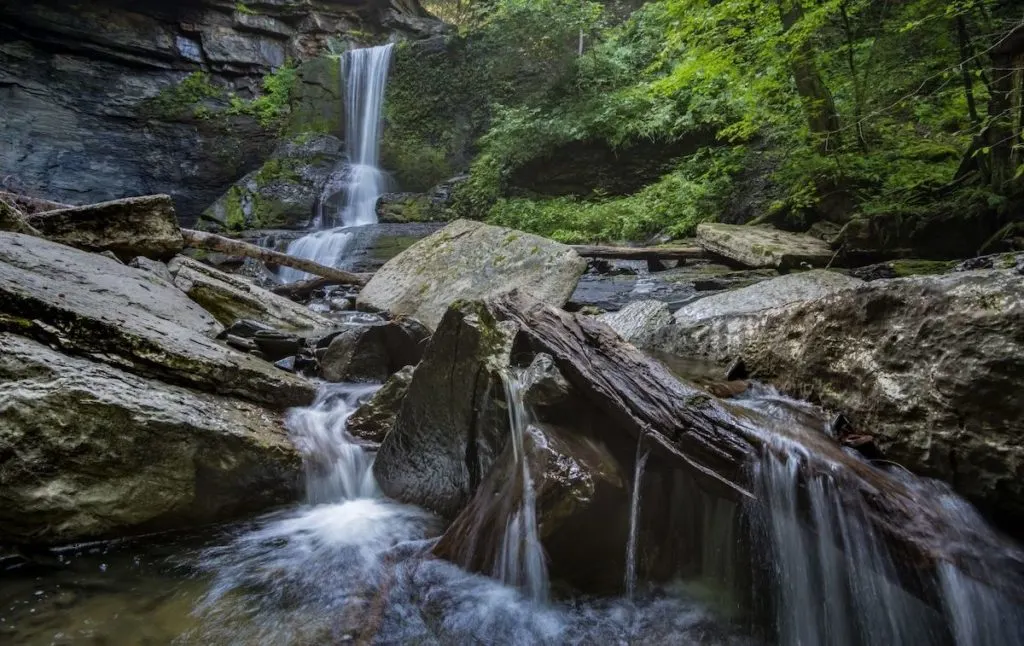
(273, 105)
(241, 8)
(675, 205)
(183, 100)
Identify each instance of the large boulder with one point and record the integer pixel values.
(452, 423)
(90, 304)
(930, 365)
(581, 501)
(230, 298)
(471, 260)
(136, 226)
(637, 321)
(374, 352)
(90, 451)
(763, 246)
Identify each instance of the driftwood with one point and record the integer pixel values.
(305, 288)
(641, 253)
(716, 442)
(212, 242)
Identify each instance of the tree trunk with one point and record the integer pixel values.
(716, 442)
(212, 242)
(822, 116)
(1003, 108)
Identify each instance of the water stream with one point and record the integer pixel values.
(350, 196)
(634, 519)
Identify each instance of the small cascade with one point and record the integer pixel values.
(521, 561)
(360, 182)
(634, 520)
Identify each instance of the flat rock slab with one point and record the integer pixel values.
(90, 451)
(89, 304)
(763, 247)
(471, 260)
(136, 226)
(230, 298)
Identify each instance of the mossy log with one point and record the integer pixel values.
(641, 253)
(717, 443)
(213, 242)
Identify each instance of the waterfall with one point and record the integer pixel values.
(634, 520)
(521, 558)
(360, 182)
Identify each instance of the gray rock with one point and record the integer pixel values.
(929, 365)
(582, 504)
(230, 298)
(763, 246)
(92, 305)
(639, 320)
(452, 424)
(158, 270)
(137, 226)
(89, 451)
(357, 355)
(545, 389)
(471, 260)
(372, 421)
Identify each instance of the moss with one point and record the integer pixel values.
(234, 214)
(242, 8)
(274, 104)
(903, 268)
(180, 101)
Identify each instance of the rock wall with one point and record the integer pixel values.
(114, 98)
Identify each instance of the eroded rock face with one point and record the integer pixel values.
(230, 298)
(97, 101)
(452, 423)
(762, 246)
(471, 260)
(932, 366)
(136, 226)
(127, 317)
(90, 451)
(372, 421)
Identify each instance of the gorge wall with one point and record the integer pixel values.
(113, 98)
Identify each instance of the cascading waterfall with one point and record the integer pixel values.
(360, 181)
(521, 559)
(634, 519)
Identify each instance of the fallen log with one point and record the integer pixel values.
(213, 242)
(717, 442)
(640, 253)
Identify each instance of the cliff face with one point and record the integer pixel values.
(109, 98)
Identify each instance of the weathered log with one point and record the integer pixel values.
(641, 253)
(717, 442)
(213, 242)
(305, 288)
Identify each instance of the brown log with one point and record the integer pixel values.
(640, 253)
(213, 242)
(716, 442)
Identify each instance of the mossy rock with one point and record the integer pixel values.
(317, 104)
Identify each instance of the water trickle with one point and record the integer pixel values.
(634, 520)
(360, 182)
(521, 559)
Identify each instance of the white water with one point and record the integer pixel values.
(521, 561)
(360, 181)
(634, 520)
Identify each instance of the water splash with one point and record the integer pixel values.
(360, 182)
(521, 561)
(634, 520)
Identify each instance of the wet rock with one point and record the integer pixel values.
(582, 508)
(878, 271)
(245, 328)
(229, 298)
(637, 321)
(401, 208)
(762, 246)
(471, 260)
(90, 451)
(287, 364)
(545, 390)
(137, 226)
(357, 355)
(92, 305)
(372, 421)
(452, 423)
(241, 343)
(930, 365)
(276, 345)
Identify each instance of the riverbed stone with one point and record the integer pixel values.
(135, 226)
(763, 246)
(87, 304)
(637, 321)
(453, 422)
(471, 260)
(372, 421)
(928, 365)
(230, 298)
(89, 451)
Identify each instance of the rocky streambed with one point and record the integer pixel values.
(453, 457)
